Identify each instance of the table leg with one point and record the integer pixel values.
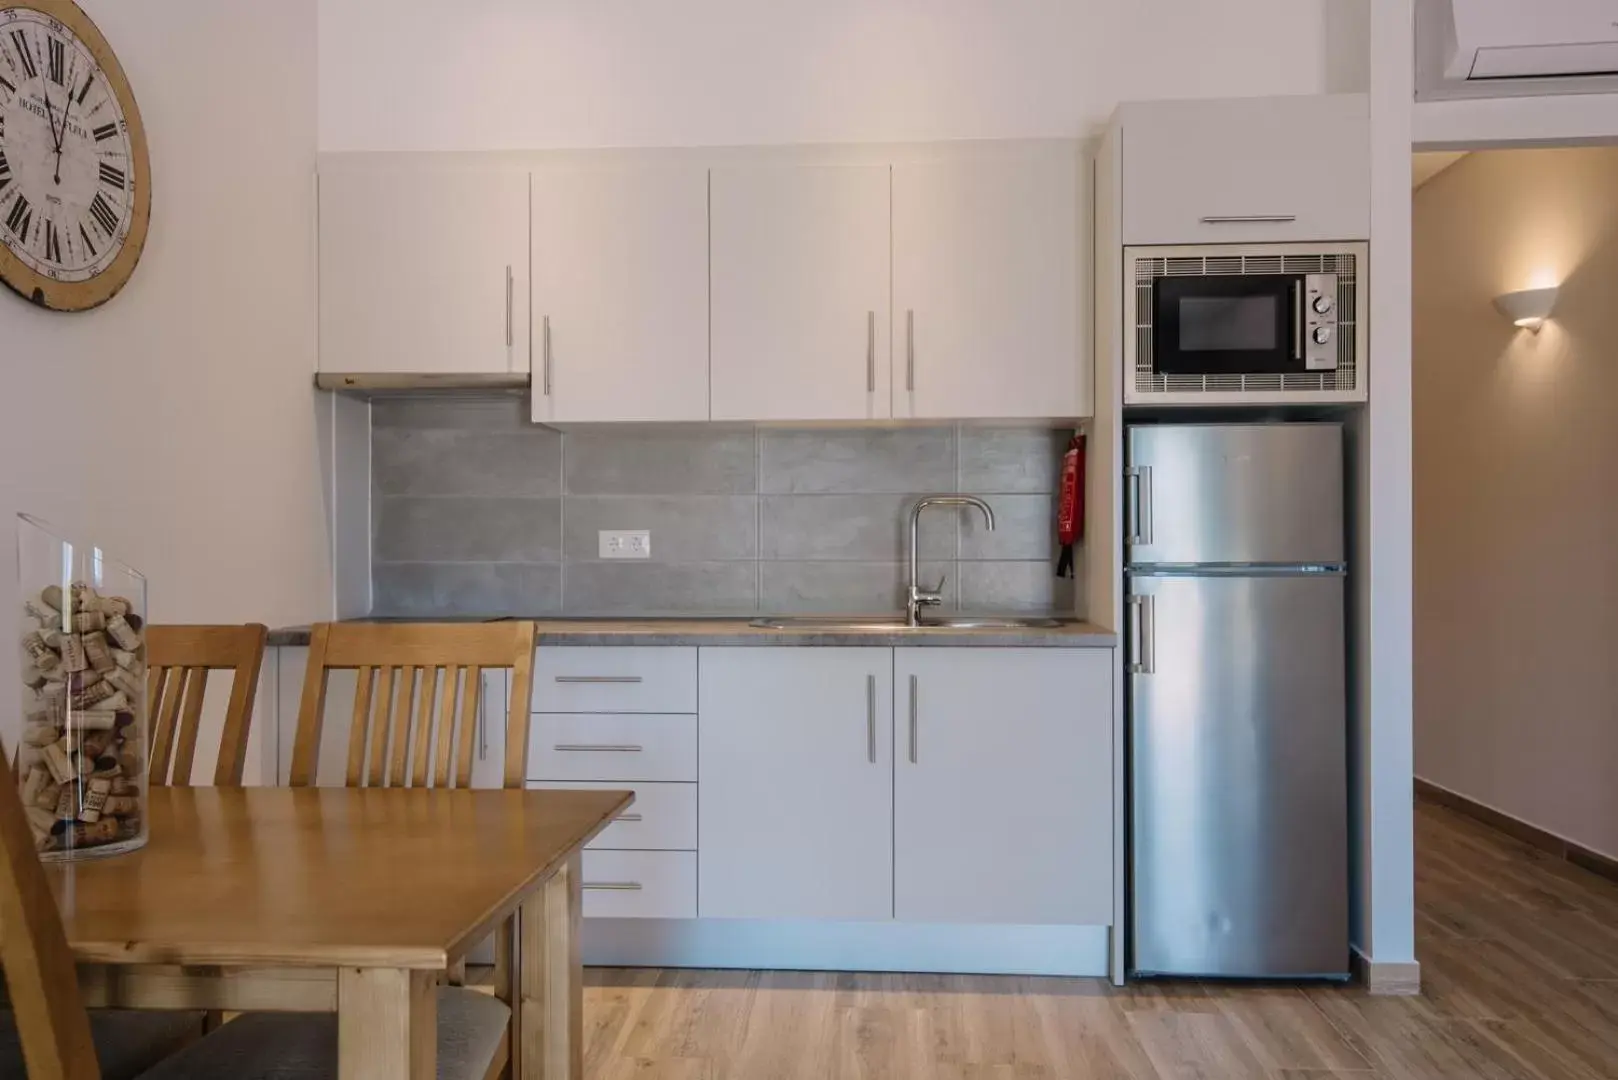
(552, 980)
(387, 1024)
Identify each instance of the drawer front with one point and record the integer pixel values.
(640, 884)
(664, 817)
(603, 746)
(615, 679)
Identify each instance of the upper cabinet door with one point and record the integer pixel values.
(1247, 170)
(424, 271)
(620, 326)
(1003, 786)
(800, 293)
(987, 287)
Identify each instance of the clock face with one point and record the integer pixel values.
(73, 208)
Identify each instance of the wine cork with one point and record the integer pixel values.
(60, 765)
(96, 719)
(122, 631)
(39, 734)
(115, 605)
(94, 744)
(125, 682)
(41, 614)
(83, 680)
(127, 660)
(95, 799)
(86, 621)
(46, 799)
(100, 832)
(73, 658)
(51, 597)
(120, 806)
(125, 785)
(119, 702)
(99, 652)
(41, 822)
(67, 803)
(33, 783)
(92, 695)
(85, 598)
(43, 656)
(33, 678)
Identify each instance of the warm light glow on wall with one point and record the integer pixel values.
(1528, 308)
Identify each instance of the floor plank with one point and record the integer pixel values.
(1519, 960)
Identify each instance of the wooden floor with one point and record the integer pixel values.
(1519, 957)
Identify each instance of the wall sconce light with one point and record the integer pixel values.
(1529, 308)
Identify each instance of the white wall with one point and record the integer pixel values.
(1516, 526)
(176, 426)
(541, 74)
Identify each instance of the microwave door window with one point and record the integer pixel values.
(1224, 326)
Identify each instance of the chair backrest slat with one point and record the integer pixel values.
(180, 659)
(34, 955)
(405, 731)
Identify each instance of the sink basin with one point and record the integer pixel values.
(892, 624)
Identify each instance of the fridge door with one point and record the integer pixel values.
(1239, 822)
(1235, 494)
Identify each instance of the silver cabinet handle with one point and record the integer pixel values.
(586, 748)
(910, 350)
(1297, 320)
(614, 886)
(1250, 219)
(510, 303)
(912, 719)
(870, 352)
(629, 818)
(609, 680)
(545, 343)
(1144, 635)
(870, 718)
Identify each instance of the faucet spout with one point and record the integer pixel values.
(916, 597)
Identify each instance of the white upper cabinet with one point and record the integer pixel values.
(800, 270)
(795, 800)
(1246, 170)
(424, 270)
(620, 297)
(987, 290)
(1003, 786)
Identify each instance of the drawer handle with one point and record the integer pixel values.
(614, 886)
(1250, 219)
(589, 749)
(612, 680)
(628, 817)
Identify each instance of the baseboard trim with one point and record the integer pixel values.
(1559, 846)
(1401, 979)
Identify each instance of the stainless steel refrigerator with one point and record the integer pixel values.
(1238, 700)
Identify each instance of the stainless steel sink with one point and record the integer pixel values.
(885, 624)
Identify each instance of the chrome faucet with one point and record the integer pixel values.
(918, 598)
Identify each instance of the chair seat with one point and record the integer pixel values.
(127, 1042)
(281, 1046)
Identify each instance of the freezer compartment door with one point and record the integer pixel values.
(1235, 493)
(1239, 801)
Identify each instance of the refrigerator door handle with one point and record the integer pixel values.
(1143, 634)
(1138, 505)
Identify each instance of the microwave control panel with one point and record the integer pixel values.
(1319, 322)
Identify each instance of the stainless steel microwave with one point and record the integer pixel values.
(1260, 324)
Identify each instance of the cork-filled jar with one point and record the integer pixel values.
(81, 760)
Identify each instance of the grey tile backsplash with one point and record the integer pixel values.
(477, 511)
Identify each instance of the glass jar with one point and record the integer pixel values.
(81, 762)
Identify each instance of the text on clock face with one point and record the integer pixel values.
(67, 183)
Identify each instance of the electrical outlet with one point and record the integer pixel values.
(625, 544)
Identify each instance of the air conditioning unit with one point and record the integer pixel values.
(1475, 48)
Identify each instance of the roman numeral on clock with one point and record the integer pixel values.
(112, 176)
(17, 220)
(28, 68)
(89, 81)
(5, 82)
(5, 171)
(88, 245)
(53, 242)
(105, 132)
(58, 61)
(104, 215)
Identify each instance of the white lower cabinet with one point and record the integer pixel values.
(640, 884)
(1003, 786)
(795, 789)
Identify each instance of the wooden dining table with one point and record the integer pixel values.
(353, 901)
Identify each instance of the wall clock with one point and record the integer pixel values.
(75, 178)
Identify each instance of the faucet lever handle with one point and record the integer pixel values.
(935, 595)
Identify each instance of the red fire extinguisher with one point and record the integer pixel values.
(1070, 511)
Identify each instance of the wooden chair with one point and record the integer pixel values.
(46, 1034)
(402, 736)
(179, 660)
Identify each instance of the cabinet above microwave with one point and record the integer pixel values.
(1246, 170)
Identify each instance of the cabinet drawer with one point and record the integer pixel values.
(664, 817)
(605, 746)
(614, 678)
(640, 884)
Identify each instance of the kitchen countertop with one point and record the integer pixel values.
(736, 631)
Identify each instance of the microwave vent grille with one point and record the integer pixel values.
(1344, 379)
